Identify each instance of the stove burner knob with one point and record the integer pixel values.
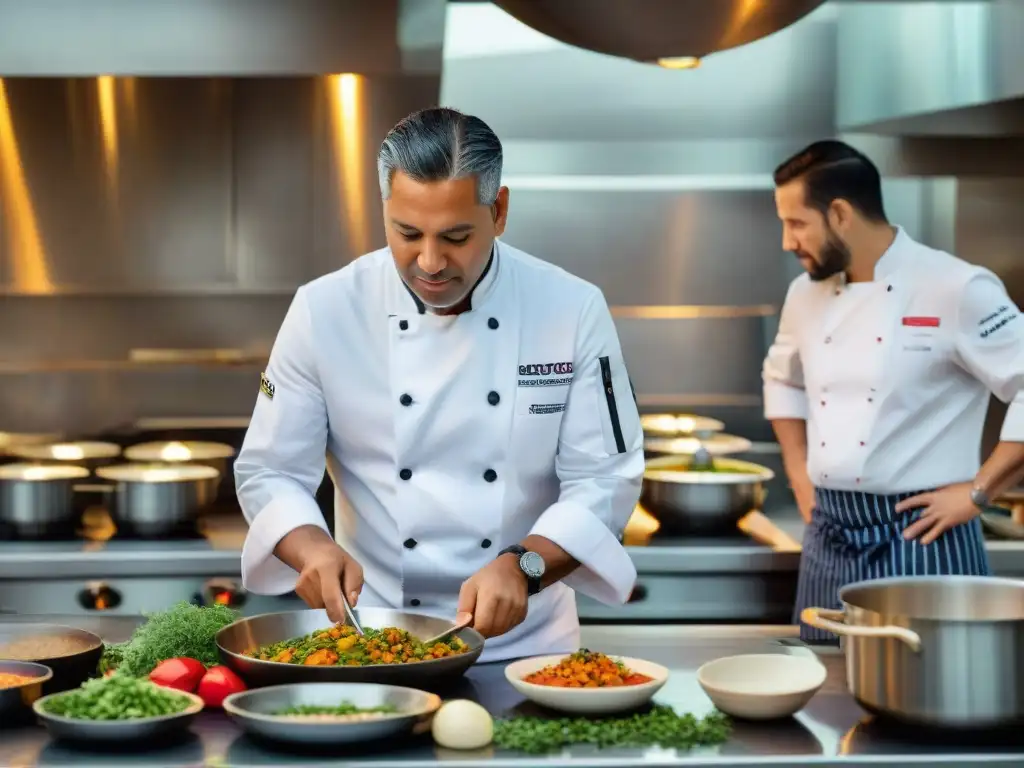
(638, 595)
(99, 597)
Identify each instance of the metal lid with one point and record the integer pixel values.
(178, 451)
(10, 439)
(42, 472)
(716, 445)
(678, 424)
(81, 451)
(157, 473)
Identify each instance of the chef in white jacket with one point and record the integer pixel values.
(878, 383)
(473, 407)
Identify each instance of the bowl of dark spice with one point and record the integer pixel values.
(117, 708)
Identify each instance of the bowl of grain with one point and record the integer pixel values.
(72, 654)
(21, 683)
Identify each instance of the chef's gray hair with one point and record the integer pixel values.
(438, 144)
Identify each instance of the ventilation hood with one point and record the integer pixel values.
(931, 68)
(219, 38)
(655, 30)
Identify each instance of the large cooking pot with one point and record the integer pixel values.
(37, 500)
(89, 454)
(702, 502)
(175, 452)
(938, 651)
(155, 499)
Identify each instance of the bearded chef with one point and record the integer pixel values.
(473, 407)
(878, 382)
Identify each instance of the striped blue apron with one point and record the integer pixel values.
(857, 536)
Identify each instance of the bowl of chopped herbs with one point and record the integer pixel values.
(117, 708)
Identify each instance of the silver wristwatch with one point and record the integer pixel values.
(979, 498)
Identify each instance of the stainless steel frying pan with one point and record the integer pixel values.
(254, 632)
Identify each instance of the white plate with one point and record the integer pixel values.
(762, 686)
(587, 701)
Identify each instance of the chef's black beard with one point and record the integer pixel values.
(835, 258)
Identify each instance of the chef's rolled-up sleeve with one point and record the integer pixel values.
(782, 373)
(600, 463)
(990, 345)
(281, 463)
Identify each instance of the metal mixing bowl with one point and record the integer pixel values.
(16, 702)
(702, 503)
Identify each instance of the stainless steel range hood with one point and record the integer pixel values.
(931, 68)
(230, 38)
(655, 30)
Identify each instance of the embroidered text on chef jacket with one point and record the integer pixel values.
(893, 376)
(448, 437)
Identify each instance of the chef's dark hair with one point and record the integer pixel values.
(832, 170)
(438, 144)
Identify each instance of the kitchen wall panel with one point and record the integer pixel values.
(657, 247)
(122, 184)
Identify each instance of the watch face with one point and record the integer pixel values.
(532, 565)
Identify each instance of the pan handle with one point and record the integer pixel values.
(835, 622)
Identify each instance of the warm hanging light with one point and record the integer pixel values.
(679, 62)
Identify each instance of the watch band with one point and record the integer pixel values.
(532, 582)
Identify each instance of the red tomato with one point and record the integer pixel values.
(217, 684)
(181, 673)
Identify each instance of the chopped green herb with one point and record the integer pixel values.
(117, 697)
(660, 726)
(341, 709)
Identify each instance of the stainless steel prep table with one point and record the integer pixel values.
(832, 729)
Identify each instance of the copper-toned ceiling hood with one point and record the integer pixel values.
(674, 33)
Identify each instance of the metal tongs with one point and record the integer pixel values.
(350, 616)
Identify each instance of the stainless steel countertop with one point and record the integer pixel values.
(832, 729)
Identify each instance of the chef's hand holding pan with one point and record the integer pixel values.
(496, 596)
(940, 510)
(325, 569)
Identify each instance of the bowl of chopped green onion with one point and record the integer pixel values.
(117, 708)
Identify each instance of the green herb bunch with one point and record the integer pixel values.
(182, 630)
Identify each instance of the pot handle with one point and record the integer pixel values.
(835, 622)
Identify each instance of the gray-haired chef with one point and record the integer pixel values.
(474, 409)
(878, 384)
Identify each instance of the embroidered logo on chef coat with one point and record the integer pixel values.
(266, 387)
(544, 408)
(996, 320)
(545, 374)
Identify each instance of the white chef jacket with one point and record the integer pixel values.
(893, 376)
(448, 438)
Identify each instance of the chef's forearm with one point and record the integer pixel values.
(557, 562)
(1003, 469)
(296, 545)
(792, 437)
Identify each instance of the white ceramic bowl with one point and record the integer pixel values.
(762, 687)
(587, 701)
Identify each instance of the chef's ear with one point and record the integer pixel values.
(499, 211)
(840, 214)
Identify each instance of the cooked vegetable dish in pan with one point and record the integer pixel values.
(342, 646)
(586, 669)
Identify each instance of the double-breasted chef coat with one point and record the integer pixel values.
(449, 437)
(893, 379)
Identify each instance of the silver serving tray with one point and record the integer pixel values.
(254, 710)
(255, 632)
(136, 729)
